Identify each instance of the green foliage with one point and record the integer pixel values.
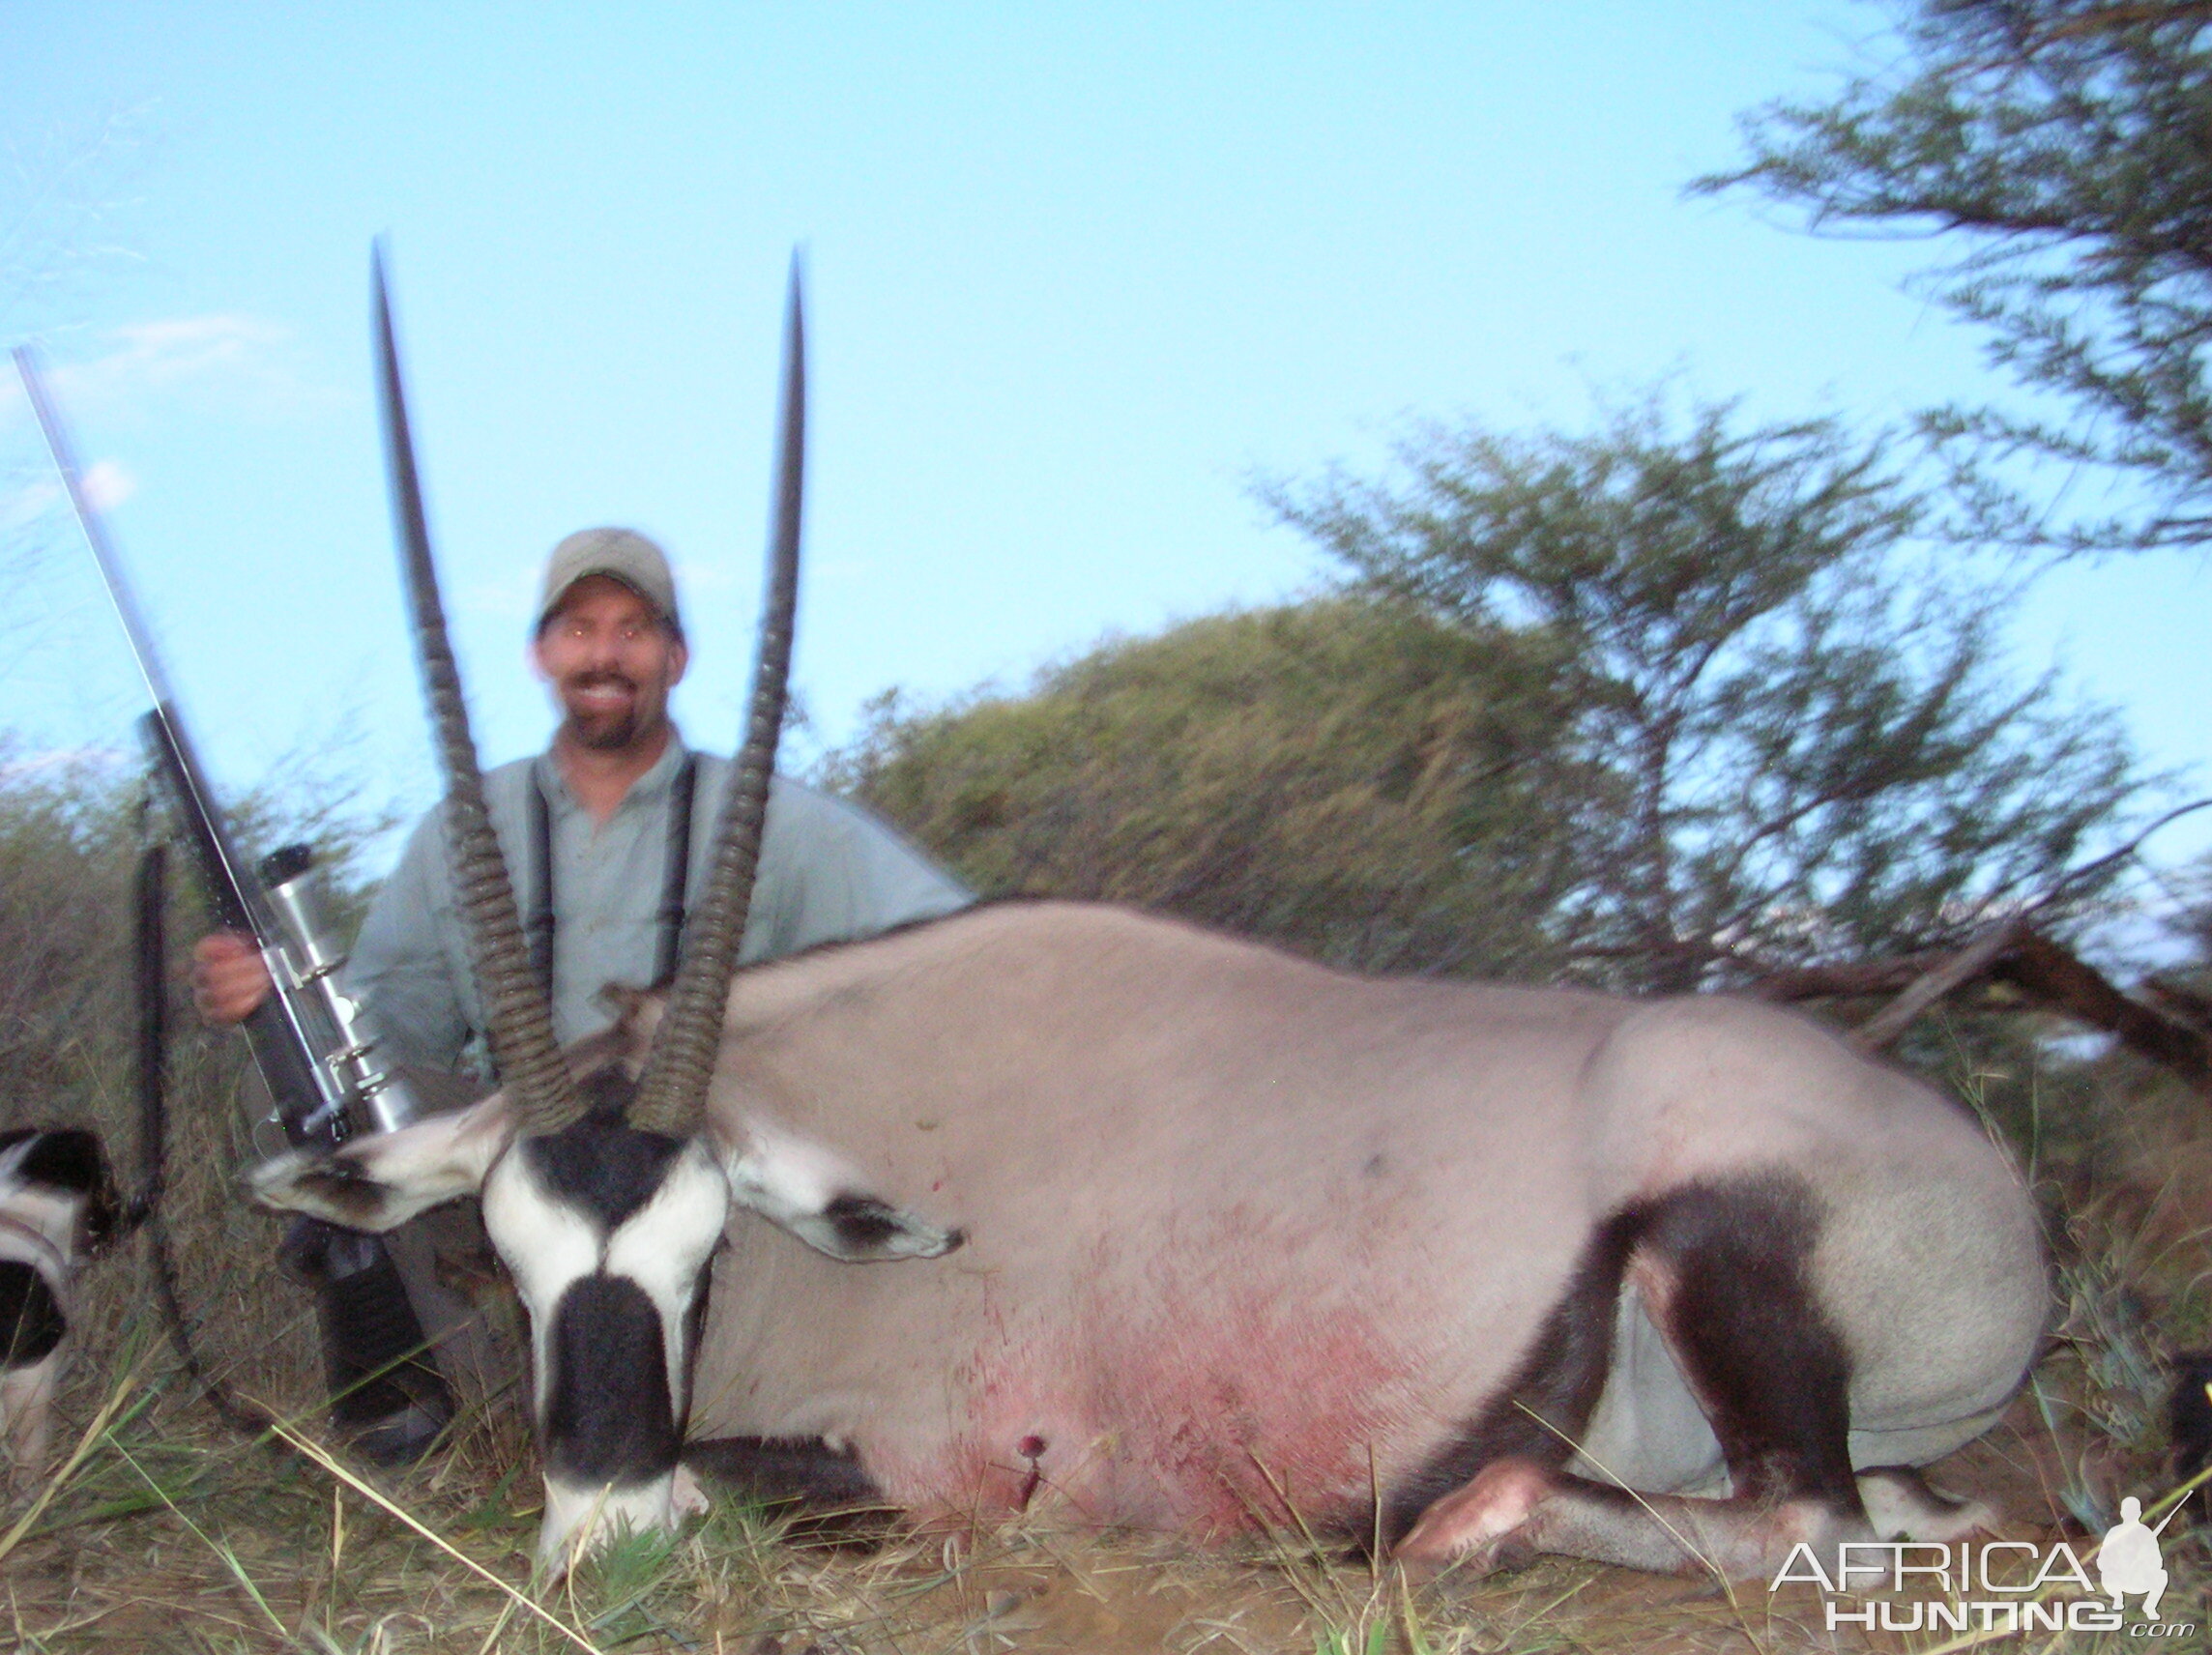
(1807, 743)
(2069, 144)
(1349, 778)
(66, 846)
(1665, 704)
(69, 836)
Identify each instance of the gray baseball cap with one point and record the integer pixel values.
(618, 554)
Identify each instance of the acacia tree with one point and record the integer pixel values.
(2067, 145)
(1349, 778)
(1658, 705)
(1805, 748)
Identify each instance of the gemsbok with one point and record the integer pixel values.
(1054, 1204)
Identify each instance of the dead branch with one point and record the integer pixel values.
(2175, 1032)
(1932, 984)
(2064, 983)
(2180, 1002)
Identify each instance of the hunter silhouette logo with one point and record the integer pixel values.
(2129, 1561)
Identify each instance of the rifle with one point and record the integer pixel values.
(309, 1040)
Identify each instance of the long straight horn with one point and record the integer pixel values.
(531, 1068)
(672, 1092)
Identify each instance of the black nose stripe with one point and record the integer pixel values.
(608, 1417)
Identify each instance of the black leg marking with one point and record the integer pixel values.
(608, 1419)
(1558, 1381)
(1772, 1375)
(779, 1470)
(31, 1320)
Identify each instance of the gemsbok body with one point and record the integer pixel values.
(1060, 1206)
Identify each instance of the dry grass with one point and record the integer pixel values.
(171, 1536)
(168, 1533)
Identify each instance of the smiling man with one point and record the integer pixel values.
(591, 829)
(606, 836)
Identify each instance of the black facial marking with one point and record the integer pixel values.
(601, 1165)
(65, 1159)
(31, 1320)
(1772, 1375)
(607, 1412)
(774, 1470)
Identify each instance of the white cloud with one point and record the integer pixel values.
(244, 357)
(107, 485)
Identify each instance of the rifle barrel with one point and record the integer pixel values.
(218, 857)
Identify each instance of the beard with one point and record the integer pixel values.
(610, 729)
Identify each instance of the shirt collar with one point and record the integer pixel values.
(648, 786)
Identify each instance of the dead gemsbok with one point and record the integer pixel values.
(1190, 1233)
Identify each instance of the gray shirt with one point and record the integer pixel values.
(828, 872)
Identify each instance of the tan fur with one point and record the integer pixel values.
(1190, 1167)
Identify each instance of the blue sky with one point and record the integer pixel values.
(1077, 274)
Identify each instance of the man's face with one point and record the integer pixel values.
(610, 662)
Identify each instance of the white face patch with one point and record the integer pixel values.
(546, 1245)
(42, 1219)
(577, 1517)
(549, 1244)
(38, 1226)
(664, 1246)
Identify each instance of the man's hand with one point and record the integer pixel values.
(229, 979)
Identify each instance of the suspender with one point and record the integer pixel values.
(676, 880)
(539, 932)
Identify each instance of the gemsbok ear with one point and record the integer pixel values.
(637, 1019)
(381, 1182)
(808, 1190)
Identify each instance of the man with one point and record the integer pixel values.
(608, 837)
(593, 817)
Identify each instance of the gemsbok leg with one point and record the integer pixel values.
(1724, 1273)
